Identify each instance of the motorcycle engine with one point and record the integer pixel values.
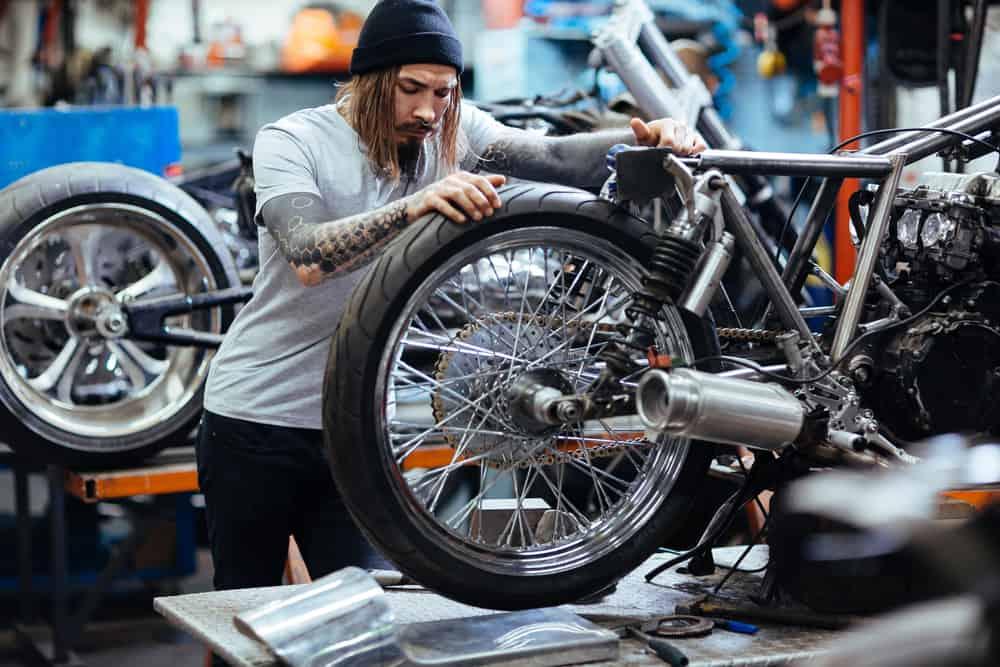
(942, 372)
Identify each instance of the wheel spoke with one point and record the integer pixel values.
(160, 276)
(598, 317)
(446, 429)
(561, 499)
(459, 451)
(470, 316)
(64, 388)
(454, 345)
(527, 536)
(430, 477)
(590, 340)
(21, 311)
(416, 440)
(476, 502)
(458, 379)
(505, 283)
(59, 366)
(601, 441)
(139, 366)
(36, 300)
(520, 314)
(475, 272)
(596, 471)
(602, 497)
(449, 390)
(434, 316)
(84, 242)
(484, 324)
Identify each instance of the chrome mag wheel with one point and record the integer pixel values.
(66, 353)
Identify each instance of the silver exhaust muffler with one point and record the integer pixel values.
(703, 406)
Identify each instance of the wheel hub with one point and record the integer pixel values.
(502, 426)
(527, 397)
(94, 313)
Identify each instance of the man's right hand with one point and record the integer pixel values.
(459, 196)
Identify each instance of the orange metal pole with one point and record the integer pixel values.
(141, 17)
(852, 31)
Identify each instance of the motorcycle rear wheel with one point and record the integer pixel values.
(427, 362)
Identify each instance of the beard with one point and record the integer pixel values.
(409, 154)
(411, 145)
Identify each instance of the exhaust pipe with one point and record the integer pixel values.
(703, 406)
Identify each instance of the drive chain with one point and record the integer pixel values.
(752, 335)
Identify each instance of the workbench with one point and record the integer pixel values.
(208, 616)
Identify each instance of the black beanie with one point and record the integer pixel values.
(406, 32)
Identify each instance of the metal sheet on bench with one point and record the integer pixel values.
(208, 616)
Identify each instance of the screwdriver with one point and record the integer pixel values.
(736, 626)
(666, 651)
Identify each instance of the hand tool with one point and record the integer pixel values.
(736, 626)
(666, 651)
(638, 627)
(679, 626)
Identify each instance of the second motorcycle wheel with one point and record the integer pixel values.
(430, 407)
(80, 241)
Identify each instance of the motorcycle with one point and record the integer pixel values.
(478, 366)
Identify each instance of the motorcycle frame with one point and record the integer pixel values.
(883, 162)
(631, 44)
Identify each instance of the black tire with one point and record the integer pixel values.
(31, 203)
(364, 472)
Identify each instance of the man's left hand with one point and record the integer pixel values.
(668, 133)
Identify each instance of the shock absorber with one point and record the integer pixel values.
(670, 268)
(677, 251)
(667, 274)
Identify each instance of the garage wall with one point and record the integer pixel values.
(263, 22)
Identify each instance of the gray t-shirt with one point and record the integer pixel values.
(270, 366)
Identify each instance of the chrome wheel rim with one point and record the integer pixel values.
(566, 290)
(66, 356)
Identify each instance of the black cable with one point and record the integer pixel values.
(833, 365)
(854, 207)
(675, 552)
(756, 498)
(746, 552)
(788, 221)
(863, 135)
(897, 130)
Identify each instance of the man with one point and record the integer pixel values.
(334, 186)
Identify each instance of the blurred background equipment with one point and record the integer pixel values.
(881, 540)
(321, 39)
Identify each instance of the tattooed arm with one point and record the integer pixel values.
(579, 158)
(318, 247)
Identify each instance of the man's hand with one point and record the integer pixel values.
(668, 133)
(459, 196)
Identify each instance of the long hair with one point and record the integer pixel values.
(368, 102)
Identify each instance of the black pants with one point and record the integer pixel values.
(263, 483)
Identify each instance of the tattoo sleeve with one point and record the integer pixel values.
(574, 160)
(319, 248)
